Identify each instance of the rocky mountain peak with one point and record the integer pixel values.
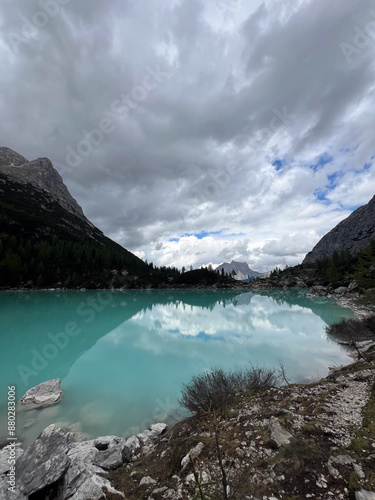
(241, 269)
(10, 157)
(41, 175)
(353, 233)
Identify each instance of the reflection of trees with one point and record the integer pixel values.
(32, 316)
(321, 306)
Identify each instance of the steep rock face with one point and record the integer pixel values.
(46, 240)
(241, 268)
(353, 233)
(10, 157)
(41, 175)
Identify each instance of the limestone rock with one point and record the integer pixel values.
(5, 455)
(44, 462)
(152, 432)
(87, 461)
(147, 480)
(353, 233)
(341, 460)
(131, 447)
(45, 394)
(358, 470)
(193, 453)
(5, 494)
(110, 455)
(84, 480)
(105, 452)
(318, 290)
(280, 435)
(364, 495)
(341, 290)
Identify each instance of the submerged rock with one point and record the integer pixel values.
(45, 394)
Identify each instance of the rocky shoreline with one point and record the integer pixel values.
(293, 442)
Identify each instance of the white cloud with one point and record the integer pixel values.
(256, 82)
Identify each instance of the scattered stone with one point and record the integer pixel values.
(341, 290)
(157, 491)
(189, 479)
(45, 394)
(205, 434)
(193, 453)
(341, 460)
(318, 290)
(364, 495)
(153, 432)
(130, 449)
(358, 470)
(353, 285)
(147, 480)
(278, 434)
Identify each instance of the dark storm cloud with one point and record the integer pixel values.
(166, 119)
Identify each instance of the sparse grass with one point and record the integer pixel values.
(367, 299)
(311, 426)
(354, 483)
(364, 435)
(301, 451)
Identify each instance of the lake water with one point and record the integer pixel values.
(122, 357)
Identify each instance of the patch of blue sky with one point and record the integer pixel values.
(333, 181)
(322, 160)
(279, 164)
(203, 234)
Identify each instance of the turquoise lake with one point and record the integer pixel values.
(122, 357)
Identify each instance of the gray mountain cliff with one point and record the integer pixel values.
(242, 269)
(41, 175)
(353, 233)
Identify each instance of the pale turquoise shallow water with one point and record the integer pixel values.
(123, 356)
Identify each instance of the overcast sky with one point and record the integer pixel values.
(197, 131)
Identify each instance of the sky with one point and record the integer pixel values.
(195, 132)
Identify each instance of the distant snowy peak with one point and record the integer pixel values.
(242, 270)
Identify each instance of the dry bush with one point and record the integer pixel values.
(216, 389)
(353, 330)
